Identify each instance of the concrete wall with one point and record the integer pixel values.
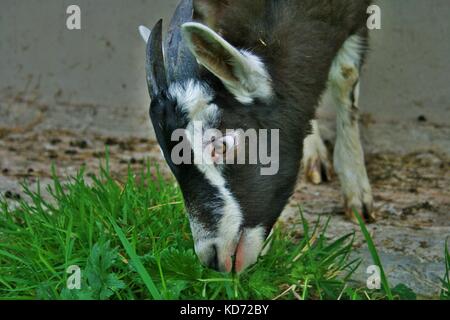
(93, 79)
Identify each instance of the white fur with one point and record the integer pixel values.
(348, 155)
(231, 215)
(253, 241)
(195, 99)
(203, 239)
(256, 83)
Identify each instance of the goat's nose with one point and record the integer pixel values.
(213, 262)
(214, 256)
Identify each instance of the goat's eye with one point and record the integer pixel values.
(222, 146)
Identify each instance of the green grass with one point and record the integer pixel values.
(445, 293)
(131, 240)
(375, 257)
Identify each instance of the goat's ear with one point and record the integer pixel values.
(145, 33)
(208, 11)
(242, 73)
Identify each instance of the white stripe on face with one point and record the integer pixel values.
(195, 99)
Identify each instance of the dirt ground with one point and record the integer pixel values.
(412, 195)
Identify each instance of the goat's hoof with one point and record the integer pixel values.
(365, 211)
(316, 162)
(318, 170)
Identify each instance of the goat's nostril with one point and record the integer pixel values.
(214, 260)
(211, 257)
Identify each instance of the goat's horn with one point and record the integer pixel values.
(181, 63)
(156, 72)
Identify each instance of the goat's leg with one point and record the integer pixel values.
(348, 153)
(316, 164)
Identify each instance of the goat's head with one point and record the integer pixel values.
(232, 199)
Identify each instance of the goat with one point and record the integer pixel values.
(257, 64)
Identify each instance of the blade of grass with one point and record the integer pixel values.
(445, 294)
(375, 257)
(9, 255)
(137, 262)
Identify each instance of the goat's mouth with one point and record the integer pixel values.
(249, 248)
(226, 255)
(234, 262)
(234, 256)
(239, 256)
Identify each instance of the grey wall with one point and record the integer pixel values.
(92, 65)
(93, 79)
(409, 66)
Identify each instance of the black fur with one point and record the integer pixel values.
(297, 40)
